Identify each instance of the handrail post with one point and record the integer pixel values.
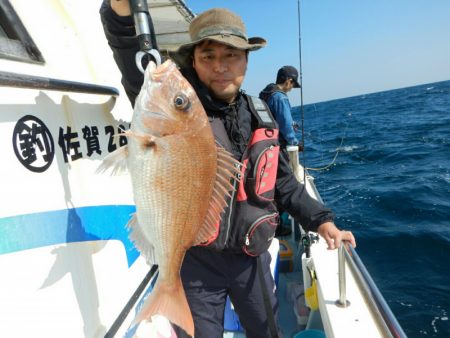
(342, 301)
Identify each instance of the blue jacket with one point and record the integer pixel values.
(280, 107)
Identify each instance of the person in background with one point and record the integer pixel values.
(275, 95)
(215, 63)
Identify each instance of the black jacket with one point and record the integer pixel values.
(290, 195)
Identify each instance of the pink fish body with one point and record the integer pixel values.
(180, 182)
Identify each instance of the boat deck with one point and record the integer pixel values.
(290, 293)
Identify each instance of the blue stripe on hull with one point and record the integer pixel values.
(93, 223)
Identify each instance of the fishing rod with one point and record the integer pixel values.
(145, 33)
(301, 146)
(302, 116)
(302, 112)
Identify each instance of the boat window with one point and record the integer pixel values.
(15, 42)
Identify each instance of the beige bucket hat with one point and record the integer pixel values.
(221, 25)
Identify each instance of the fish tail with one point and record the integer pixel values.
(169, 301)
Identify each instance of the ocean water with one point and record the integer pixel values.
(384, 161)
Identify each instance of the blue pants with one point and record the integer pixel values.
(209, 276)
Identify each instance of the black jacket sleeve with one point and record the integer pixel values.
(121, 36)
(292, 196)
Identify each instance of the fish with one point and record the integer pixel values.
(182, 181)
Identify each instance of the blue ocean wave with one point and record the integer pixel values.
(390, 185)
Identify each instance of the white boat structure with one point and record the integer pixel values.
(68, 267)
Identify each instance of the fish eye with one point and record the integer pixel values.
(181, 102)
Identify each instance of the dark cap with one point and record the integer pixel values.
(221, 25)
(288, 72)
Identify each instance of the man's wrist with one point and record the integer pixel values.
(121, 7)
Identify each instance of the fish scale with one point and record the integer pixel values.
(179, 178)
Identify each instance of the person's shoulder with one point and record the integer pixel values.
(279, 95)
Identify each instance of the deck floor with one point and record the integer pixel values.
(286, 317)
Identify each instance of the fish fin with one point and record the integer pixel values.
(140, 241)
(116, 161)
(228, 169)
(146, 141)
(168, 300)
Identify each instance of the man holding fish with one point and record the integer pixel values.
(207, 173)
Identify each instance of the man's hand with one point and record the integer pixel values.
(121, 7)
(333, 236)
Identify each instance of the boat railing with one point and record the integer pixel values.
(27, 81)
(132, 302)
(342, 301)
(386, 320)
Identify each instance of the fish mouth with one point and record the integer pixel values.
(160, 72)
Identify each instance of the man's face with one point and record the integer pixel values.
(221, 68)
(289, 85)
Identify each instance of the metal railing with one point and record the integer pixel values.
(8, 79)
(131, 302)
(386, 320)
(342, 301)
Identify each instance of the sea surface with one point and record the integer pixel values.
(384, 161)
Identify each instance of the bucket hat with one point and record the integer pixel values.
(221, 25)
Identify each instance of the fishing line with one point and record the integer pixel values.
(335, 156)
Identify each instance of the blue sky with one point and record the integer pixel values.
(349, 47)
